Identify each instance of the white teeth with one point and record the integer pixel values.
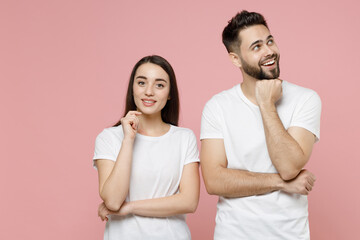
(269, 63)
(149, 101)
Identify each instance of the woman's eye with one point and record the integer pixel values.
(141, 83)
(159, 85)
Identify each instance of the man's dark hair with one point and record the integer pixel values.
(244, 19)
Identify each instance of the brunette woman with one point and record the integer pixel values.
(147, 165)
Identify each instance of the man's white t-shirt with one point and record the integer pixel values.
(157, 167)
(229, 115)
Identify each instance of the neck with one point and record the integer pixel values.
(152, 125)
(248, 87)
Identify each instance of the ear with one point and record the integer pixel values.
(235, 59)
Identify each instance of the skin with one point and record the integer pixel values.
(289, 150)
(151, 92)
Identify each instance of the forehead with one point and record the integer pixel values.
(151, 71)
(253, 33)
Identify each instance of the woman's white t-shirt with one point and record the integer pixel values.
(156, 171)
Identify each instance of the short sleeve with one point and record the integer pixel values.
(192, 153)
(308, 115)
(210, 121)
(103, 147)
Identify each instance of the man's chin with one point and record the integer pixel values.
(269, 76)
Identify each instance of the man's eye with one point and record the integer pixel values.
(257, 47)
(270, 41)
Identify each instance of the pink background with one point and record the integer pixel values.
(64, 66)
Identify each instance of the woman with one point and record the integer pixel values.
(147, 166)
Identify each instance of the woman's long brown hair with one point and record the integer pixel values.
(170, 113)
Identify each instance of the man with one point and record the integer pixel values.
(256, 139)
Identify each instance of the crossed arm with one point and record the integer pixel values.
(185, 201)
(289, 152)
(223, 181)
(114, 177)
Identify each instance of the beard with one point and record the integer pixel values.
(258, 73)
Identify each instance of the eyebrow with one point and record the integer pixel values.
(157, 79)
(256, 42)
(260, 41)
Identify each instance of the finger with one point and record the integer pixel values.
(311, 181)
(305, 192)
(128, 121)
(136, 123)
(102, 215)
(122, 120)
(133, 121)
(312, 175)
(132, 113)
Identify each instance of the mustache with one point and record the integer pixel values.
(272, 56)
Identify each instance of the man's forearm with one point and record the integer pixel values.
(241, 183)
(285, 153)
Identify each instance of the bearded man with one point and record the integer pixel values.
(256, 139)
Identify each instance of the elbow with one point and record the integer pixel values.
(288, 175)
(111, 203)
(210, 190)
(112, 206)
(191, 208)
(210, 187)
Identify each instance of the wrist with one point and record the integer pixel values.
(130, 207)
(279, 183)
(267, 106)
(128, 140)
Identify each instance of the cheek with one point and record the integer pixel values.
(136, 91)
(164, 95)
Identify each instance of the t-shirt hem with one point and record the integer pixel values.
(191, 161)
(311, 129)
(206, 136)
(106, 157)
(101, 157)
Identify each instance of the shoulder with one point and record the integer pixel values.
(300, 93)
(184, 138)
(111, 134)
(292, 88)
(223, 97)
(186, 132)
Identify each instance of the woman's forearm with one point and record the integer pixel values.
(160, 207)
(116, 187)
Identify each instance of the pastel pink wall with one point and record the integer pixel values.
(64, 66)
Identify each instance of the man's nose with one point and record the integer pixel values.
(268, 50)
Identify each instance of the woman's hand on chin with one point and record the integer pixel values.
(130, 124)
